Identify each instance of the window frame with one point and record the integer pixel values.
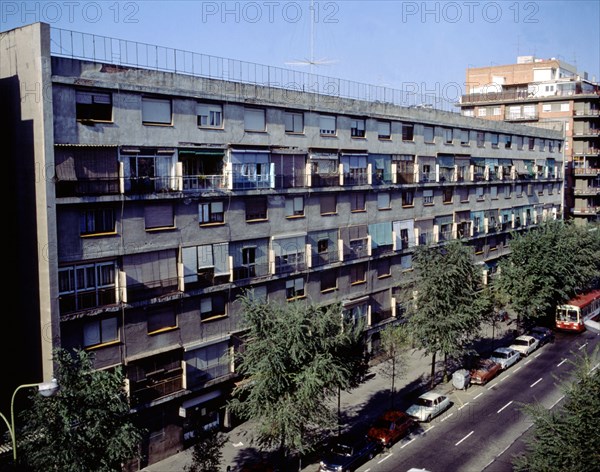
(98, 323)
(355, 271)
(212, 108)
(356, 198)
(355, 128)
(261, 212)
(295, 212)
(406, 200)
(250, 112)
(210, 315)
(163, 101)
(292, 115)
(327, 132)
(384, 137)
(210, 213)
(94, 107)
(408, 132)
(322, 199)
(427, 129)
(89, 216)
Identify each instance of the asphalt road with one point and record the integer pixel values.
(485, 426)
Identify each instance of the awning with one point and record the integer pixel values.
(197, 401)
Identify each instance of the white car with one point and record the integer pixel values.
(428, 406)
(525, 344)
(505, 356)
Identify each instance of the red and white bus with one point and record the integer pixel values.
(579, 313)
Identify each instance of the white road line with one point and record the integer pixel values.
(461, 407)
(594, 368)
(518, 368)
(429, 429)
(504, 406)
(561, 363)
(537, 355)
(477, 396)
(528, 361)
(536, 382)
(503, 450)
(492, 386)
(504, 378)
(556, 402)
(386, 457)
(582, 346)
(406, 444)
(367, 470)
(446, 417)
(464, 438)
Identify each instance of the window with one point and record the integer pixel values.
(547, 107)
(519, 143)
(294, 122)
(327, 125)
(97, 221)
(249, 261)
(86, 286)
(507, 141)
(428, 134)
(161, 320)
(357, 128)
(256, 208)
(328, 280)
(208, 263)
(357, 201)
(289, 254)
(529, 190)
(384, 268)
(383, 201)
(494, 138)
(542, 145)
(428, 197)
(294, 206)
(480, 193)
(100, 332)
(384, 129)
(358, 273)
(159, 216)
(294, 288)
(481, 111)
(408, 197)
(494, 192)
(564, 107)
(448, 135)
(212, 307)
(550, 146)
(406, 262)
(93, 106)
(496, 111)
(507, 191)
(463, 194)
(254, 119)
(531, 143)
(448, 191)
(211, 213)
(468, 112)
(156, 111)
(328, 204)
(518, 190)
(480, 139)
(408, 132)
(209, 115)
(464, 137)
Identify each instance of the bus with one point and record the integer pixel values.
(578, 313)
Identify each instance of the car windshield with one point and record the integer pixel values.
(521, 342)
(500, 355)
(424, 402)
(382, 424)
(342, 450)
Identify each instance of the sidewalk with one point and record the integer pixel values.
(359, 407)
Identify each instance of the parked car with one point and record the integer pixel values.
(525, 344)
(428, 406)
(544, 335)
(505, 356)
(348, 453)
(391, 427)
(484, 371)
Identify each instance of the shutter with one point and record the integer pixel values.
(221, 258)
(159, 216)
(190, 264)
(156, 110)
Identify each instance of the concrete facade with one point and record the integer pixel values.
(168, 195)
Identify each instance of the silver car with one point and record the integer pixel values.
(505, 356)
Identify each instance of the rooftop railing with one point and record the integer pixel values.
(125, 53)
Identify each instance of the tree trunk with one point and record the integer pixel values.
(433, 370)
(393, 380)
(445, 367)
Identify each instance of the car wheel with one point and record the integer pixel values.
(370, 456)
(428, 419)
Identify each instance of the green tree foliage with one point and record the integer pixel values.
(293, 364)
(549, 265)
(85, 426)
(447, 310)
(567, 439)
(207, 452)
(394, 342)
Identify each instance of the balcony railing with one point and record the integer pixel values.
(81, 187)
(587, 112)
(590, 191)
(152, 289)
(590, 210)
(521, 116)
(381, 178)
(405, 177)
(358, 248)
(204, 182)
(380, 316)
(294, 180)
(156, 386)
(72, 302)
(250, 271)
(290, 263)
(324, 258)
(325, 180)
(356, 177)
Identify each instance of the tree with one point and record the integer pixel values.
(85, 425)
(547, 266)
(447, 310)
(567, 440)
(292, 367)
(207, 451)
(394, 341)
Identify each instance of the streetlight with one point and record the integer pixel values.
(46, 389)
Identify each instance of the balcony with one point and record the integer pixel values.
(250, 271)
(293, 180)
(587, 192)
(157, 385)
(152, 289)
(204, 182)
(586, 171)
(85, 300)
(587, 211)
(356, 177)
(290, 263)
(324, 258)
(589, 133)
(521, 116)
(380, 177)
(83, 187)
(325, 180)
(150, 184)
(358, 248)
(379, 316)
(405, 177)
(587, 152)
(587, 113)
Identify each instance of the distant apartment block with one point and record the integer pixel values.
(147, 198)
(546, 92)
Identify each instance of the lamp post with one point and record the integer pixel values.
(46, 389)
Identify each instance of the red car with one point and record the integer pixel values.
(391, 427)
(484, 371)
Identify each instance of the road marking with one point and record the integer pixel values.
(561, 363)
(504, 378)
(536, 382)
(477, 396)
(538, 354)
(492, 386)
(594, 368)
(404, 445)
(240, 444)
(464, 438)
(528, 361)
(386, 457)
(503, 450)
(504, 406)
(518, 368)
(446, 417)
(461, 407)
(429, 429)
(556, 402)
(582, 346)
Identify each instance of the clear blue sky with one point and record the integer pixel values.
(428, 45)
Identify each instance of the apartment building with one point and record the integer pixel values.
(547, 92)
(149, 196)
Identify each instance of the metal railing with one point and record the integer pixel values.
(125, 53)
